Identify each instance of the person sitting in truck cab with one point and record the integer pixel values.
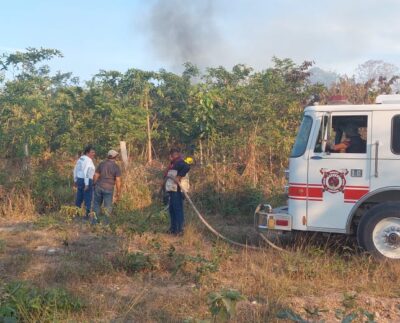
(353, 143)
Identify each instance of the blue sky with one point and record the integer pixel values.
(148, 34)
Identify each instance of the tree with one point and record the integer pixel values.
(381, 75)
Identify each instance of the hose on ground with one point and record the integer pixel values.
(219, 235)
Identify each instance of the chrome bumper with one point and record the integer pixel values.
(266, 218)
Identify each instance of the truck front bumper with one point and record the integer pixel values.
(266, 218)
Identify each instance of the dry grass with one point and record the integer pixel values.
(132, 271)
(176, 286)
(16, 204)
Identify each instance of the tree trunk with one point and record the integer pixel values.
(270, 160)
(26, 162)
(124, 153)
(201, 152)
(149, 145)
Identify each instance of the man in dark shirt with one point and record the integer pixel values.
(177, 169)
(107, 175)
(353, 144)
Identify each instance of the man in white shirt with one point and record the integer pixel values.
(83, 179)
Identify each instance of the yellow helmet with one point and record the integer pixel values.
(189, 160)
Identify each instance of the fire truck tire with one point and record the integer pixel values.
(379, 231)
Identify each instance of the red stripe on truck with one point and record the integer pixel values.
(314, 192)
(354, 194)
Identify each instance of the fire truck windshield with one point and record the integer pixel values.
(302, 137)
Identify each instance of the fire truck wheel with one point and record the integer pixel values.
(379, 231)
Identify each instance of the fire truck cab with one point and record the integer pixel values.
(344, 176)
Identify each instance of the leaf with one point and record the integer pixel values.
(370, 316)
(339, 313)
(349, 318)
(229, 306)
(290, 315)
(222, 316)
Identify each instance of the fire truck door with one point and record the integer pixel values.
(338, 169)
(385, 161)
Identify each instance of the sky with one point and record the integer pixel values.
(337, 35)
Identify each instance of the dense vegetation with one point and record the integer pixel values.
(238, 124)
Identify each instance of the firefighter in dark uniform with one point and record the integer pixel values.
(177, 170)
(353, 143)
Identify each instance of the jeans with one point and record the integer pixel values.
(101, 195)
(82, 195)
(176, 212)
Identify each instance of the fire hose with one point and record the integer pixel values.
(221, 236)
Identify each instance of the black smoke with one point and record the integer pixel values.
(183, 31)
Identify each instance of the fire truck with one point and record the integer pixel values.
(344, 176)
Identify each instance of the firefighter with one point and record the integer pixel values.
(353, 142)
(176, 172)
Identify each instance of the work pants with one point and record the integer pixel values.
(176, 212)
(102, 196)
(82, 195)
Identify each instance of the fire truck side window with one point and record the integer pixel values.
(396, 135)
(348, 134)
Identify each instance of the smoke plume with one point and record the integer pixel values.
(180, 31)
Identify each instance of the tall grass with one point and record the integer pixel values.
(17, 204)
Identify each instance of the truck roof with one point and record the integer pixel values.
(383, 102)
(353, 107)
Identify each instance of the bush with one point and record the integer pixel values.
(24, 302)
(50, 189)
(240, 201)
(136, 262)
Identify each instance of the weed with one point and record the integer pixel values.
(24, 302)
(69, 212)
(315, 311)
(47, 221)
(359, 315)
(349, 300)
(137, 261)
(203, 266)
(349, 313)
(222, 304)
(18, 262)
(288, 314)
(139, 221)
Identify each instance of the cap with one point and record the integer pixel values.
(112, 153)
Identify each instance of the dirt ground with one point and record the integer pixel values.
(84, 261)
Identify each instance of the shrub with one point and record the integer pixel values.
(50, 189)
(136, 262)
(223, 304)
(239, 201)
(24, 302)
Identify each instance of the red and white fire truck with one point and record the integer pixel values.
(344, 176)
